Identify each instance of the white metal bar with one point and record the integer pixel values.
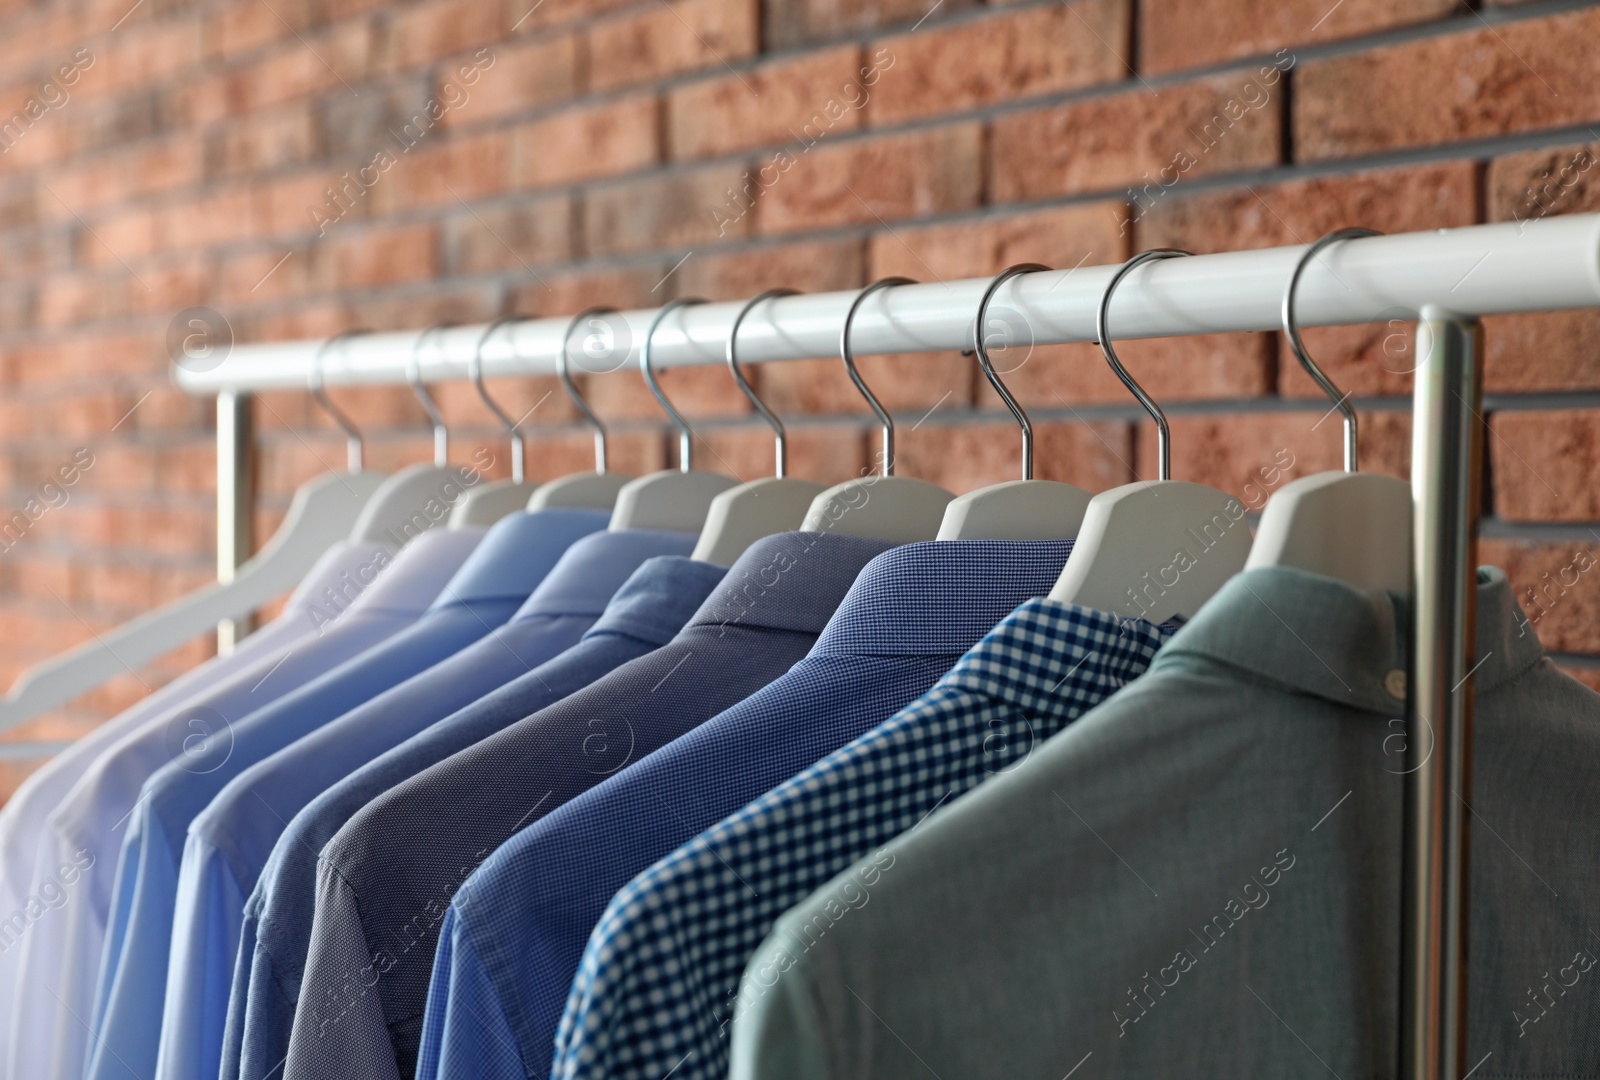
(1546, 265)
(235, 501)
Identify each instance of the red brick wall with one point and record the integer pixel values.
(166, 153)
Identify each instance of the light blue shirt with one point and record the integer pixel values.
(134, 964)
(62, 954)
(644, 614)
(22, 821)
(230, 840)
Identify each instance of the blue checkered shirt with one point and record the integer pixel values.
(659, 979)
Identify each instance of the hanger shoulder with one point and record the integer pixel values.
(488, 502)
(581, 491)
(321, 514)
(1016, 510)
(669, 500)
(1155, 549)
(411, 501)
(899, 508)
(742, 515)
(1352, 526)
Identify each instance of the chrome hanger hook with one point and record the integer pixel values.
(781, 448)
(981, 351)
(887, 421)
(475, 373)
(441, 434)
(1163, 433)
(685, 435)
(319, 394)
(1291, 330)
(572, 389)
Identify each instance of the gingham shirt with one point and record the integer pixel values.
(658, 981)
(516, 933)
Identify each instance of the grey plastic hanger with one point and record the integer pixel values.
(322, 513)
(674, 500)
(1348, 525)
(1025, 509)
(418, 497)
(596, 490)
(773, 504)
(884, 506)
(490, 500)
(1158, 548)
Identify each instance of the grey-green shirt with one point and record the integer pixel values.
(1201, 877)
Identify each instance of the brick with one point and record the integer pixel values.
(538, 401)
(1008, 56)
(1230, 452)
(1486, 81)
(335, 60)
(1543, 353)
(965, 457)
(507, 78)
(821, 453)
(530, 16)
(586, 143)
(805, 22)
(865, 181)
(670, 211)
(1175, 36)
(1060, 377)
(379, 257)
(907, 385)
(781, 103)
(353, 129)
(1063, 236)
(568, 292)
(822, 266)
(445, 172)
(660, 40)
(1543, 465)
(1558, 586)
(244, 27)
(425, 31)
(1530, 186)
(522, 236)
(1216, 125)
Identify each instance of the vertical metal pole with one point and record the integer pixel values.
(235, 501)
(1446, 472)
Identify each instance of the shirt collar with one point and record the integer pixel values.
(517, 553)
(1047, 654)
(792, 581)
(939, 597)
(658, 599)
(590, 572)
(1317, 635)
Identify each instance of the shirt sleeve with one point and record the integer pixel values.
(239, 995)
(135, 986)
(466, 1035)
(340, 1029)
(776, 1032)
(199, 964)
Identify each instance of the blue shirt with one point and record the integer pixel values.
(645, 612)
(517, 930)
(366, 979)
(230, 840)
(677, 937)
(134, 965)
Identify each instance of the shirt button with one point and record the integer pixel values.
(1395, 684)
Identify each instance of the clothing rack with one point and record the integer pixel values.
(1444, 280)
